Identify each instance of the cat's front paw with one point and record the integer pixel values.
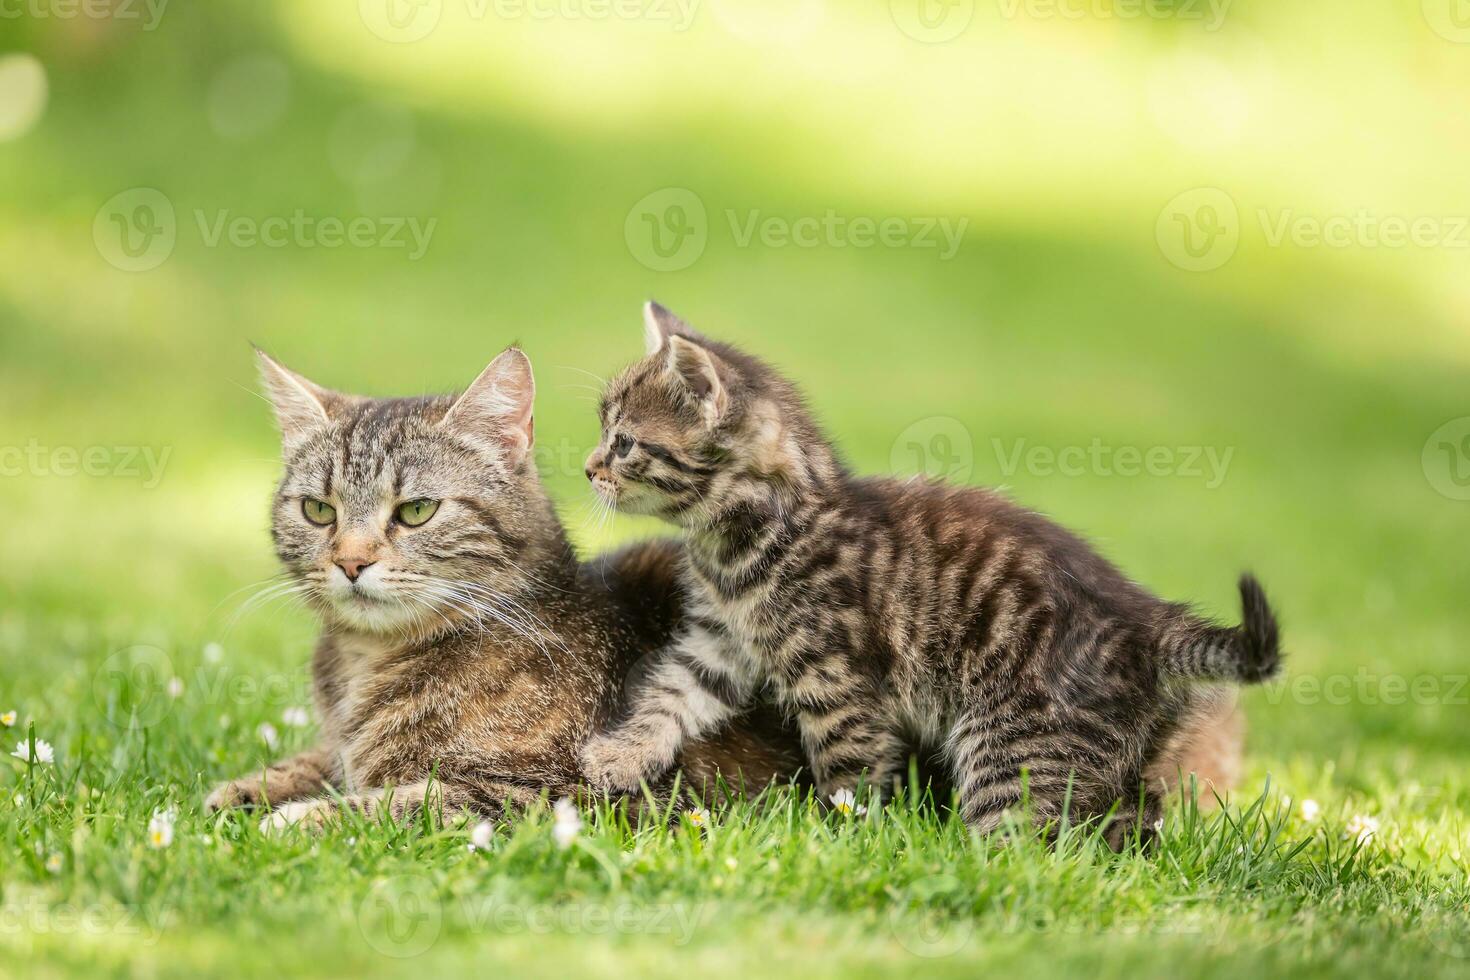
(233, 793)
(614, 764)
(309, 815)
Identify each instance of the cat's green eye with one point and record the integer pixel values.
(319, 512)
(416, 512)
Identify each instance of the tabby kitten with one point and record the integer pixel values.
(891, 617)
(466, 653)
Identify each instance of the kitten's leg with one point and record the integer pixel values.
(490, 800)
(1135, 819)
(848, 739)
(290, 779)
(989, 755)
(700, 682)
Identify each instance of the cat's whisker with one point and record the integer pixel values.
(266, 595)
(468, 605)
(601, 381)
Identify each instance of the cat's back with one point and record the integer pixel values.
(959, 528)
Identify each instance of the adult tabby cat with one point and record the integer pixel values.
(466, 653)
(889, 616)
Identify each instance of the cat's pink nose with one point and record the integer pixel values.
(352, 567)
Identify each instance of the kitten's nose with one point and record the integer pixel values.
(352, 567)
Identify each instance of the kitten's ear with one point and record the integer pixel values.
(497, 406)
(697, 370)
(301, 406)
(659, 325)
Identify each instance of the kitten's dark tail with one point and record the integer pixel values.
(1246, 654)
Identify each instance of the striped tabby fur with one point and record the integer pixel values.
(465, 660)
(894, 617)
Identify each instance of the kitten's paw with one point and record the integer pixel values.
(311, 815)
(233, 793)
(610, 763)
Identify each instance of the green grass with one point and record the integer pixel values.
(1322, 372)
(773, 885)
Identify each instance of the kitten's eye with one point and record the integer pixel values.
(416, 512)
(622, 445)
(319, 512)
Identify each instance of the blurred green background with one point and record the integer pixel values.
(1232, 232)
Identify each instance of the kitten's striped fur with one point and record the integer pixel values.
(472, 655)
(893, 617)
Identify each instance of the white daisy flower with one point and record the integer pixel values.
(731, 863)
(296, 717)
(53, 864)
(567, 822)
(1361, 827)
(175, 687)
(268, 735)
(698, 816)
(44, 753)
(8, 719)
(480, 836)
(845, 802)
(161, 828)
(1310, 810)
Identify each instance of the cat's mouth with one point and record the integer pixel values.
(629, 498)
(358, 596)
(607, 491)
(374, 611)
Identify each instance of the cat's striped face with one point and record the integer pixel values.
(395, 515)
(695, 427)
(657, 455)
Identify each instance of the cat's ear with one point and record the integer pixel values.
(301, 406)
(497, 406)
(697, 370)
(659, 324)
